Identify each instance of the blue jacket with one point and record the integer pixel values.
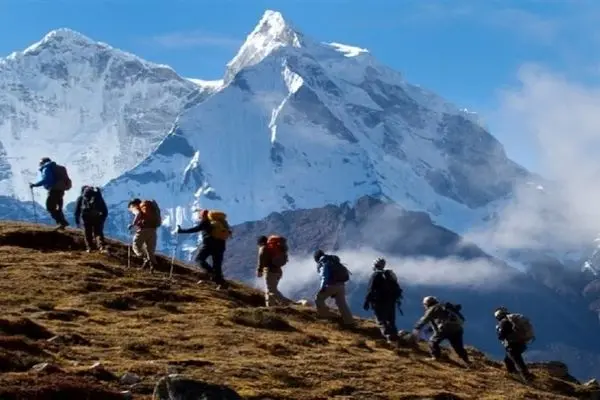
(48, 179)
(324, 269)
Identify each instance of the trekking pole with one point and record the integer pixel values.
(33, 205)
(129, 256)
(174, 253)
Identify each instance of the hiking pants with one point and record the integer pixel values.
(272, 293)
(385, 314)
(338, 292)
(144, 244)
(93, 229)
(54, 205)
(454, 336)
(215, 249)
(513, 360)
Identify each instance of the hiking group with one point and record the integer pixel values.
(384, 293)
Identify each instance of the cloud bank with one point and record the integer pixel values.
(301, 273)
(562, 119)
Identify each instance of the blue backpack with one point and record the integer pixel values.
(339, 272)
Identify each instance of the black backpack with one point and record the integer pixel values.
(453, 313)
(391, 288)
(91, 202)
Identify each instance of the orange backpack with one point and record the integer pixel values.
(278, 250)
(150, 214)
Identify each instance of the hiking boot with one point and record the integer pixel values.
(527, 377)
(222, 285)
(60, 227)
(88, 250)
(432, 358)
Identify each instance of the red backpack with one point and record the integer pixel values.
(278, 250)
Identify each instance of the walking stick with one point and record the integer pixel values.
(174, 253)
(33, 205)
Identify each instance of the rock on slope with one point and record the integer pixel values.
(301, 124)
(95, 108)
(133, 322)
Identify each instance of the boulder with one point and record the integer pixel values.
(592, 383)
(46, 368)
(406, 338)
(129, 379)
(178, 387)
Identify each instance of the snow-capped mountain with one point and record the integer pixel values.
(299, 124)
(96, 109)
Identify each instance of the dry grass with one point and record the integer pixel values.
(132, 321)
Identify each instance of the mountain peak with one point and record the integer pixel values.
(64, 37)
(271, 33)
(61, 34)
(60, 38)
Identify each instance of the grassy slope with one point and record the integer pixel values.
(133, 321)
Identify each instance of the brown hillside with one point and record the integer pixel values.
(131, 321)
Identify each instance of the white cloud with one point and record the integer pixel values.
(191, 39)
(302, 273)
(563, 119)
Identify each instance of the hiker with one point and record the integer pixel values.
(91, 208)
(215, 231)
(515, 332)
(56, 181)
(147, 220)
(383, 294)
(334, 276)
(272, 256)
(447, 324)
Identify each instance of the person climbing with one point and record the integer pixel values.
(55, 179)
(334, 276)
(447, 324)
(147, 220)
(91, 208)
(515, 332)
(383, 295)
(215, 231)
(272, 256)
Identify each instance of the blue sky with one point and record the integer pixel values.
(468, 51)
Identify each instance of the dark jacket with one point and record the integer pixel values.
(265, 262)
(506, 333)
(48, 179)
(439, 318)
(101, 208)
(376, 291)
(204, 227)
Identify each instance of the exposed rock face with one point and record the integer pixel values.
(177, 387)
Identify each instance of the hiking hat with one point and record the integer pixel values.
(318, 254)
(379, 263)
(430, 301)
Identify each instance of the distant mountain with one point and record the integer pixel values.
(85, 104)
